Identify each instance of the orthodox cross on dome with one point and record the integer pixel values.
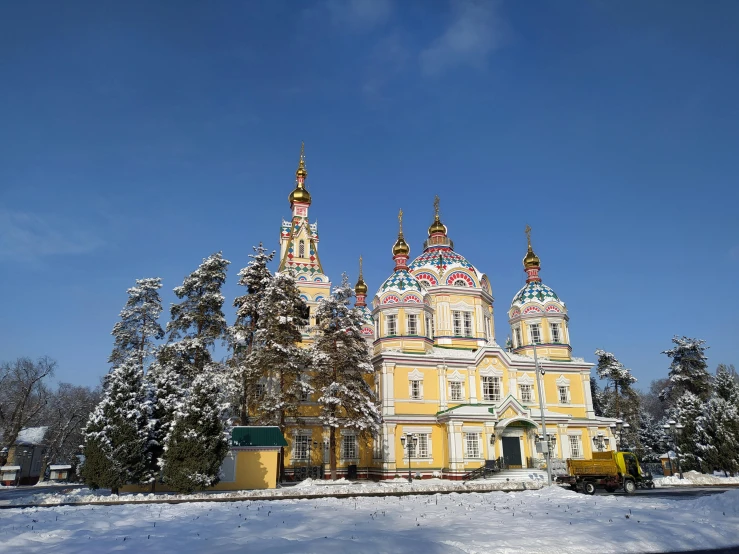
(400, 220)
(531, 261)
(360, 268)
(528, 235)
(436, 206)
(301, 163)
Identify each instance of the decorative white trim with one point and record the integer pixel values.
(461, 307)
(574, 431)
(415, 375)
(490, 371)
(525, 379)
(562, 381)
(456, 376)
(417, 430)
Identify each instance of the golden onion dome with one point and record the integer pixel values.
(300, 194)
(437, 227)
(360, 287)
(530, 260)
(401, 248)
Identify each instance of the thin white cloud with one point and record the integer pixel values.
(30, 237)
(387, 59)
(473, 33)
(359, 14)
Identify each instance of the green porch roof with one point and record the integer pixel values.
(257, 436)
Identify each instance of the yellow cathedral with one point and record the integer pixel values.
(443, 383)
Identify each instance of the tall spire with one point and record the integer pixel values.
(401, 250)
(360, 289)
(531, 262)
(300, 194)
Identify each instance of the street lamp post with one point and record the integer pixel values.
(600, 441)
(618, 429)
(544, 443)
(675, 429)
(410, 440)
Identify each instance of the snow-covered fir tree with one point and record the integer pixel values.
(718, 435)
(688, 370)
(687, 411)
(198, 321)
(117, 433)
(139, 326)
(341, 366)
(649, 438)
(277, 361)
(256, 277)
(597, 395)
(726, 383)
(618, 394)
(197, 442)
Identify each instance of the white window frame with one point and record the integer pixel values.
(472, 445)
(575, 446)
(564, 394)
(517, 337)
(556, 331)
(415, 389)
(488, 334)
(535, 327)
(456, 385)
(377, 446)
(491, 388)
(421, 448)
(301, 442)
(468, 324)
(411, 322)
(429, 332)
(391, 324)
(457, 323)
(526, 387)
(349, 441)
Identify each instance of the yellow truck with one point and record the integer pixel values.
(608, 470)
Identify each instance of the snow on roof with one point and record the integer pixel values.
(55, 467)
(10, 468)
(31, 435)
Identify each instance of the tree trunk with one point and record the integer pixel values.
(332, 452)
(615, 389)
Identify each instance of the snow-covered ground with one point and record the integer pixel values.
(550, 520)
(693, 478)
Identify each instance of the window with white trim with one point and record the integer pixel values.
(564, 394)
(459, 283)
(556, 335)
(457, 323)
(491, 388)
(391, 325)
(455, 390)
(467, 324)
(575, 446)
(300, 447)
(517, 336)
(349, 447)
(527, 393)
(535, 333)
(472, 445)
(412, 324)
(416, 389)
(377, 447)
(429, 332)
(487, 329)
(421, 447)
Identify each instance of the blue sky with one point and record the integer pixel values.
(137, 138)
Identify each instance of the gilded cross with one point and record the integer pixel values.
(400, 220)
(360, 267)
(528, 234)
(436, 206)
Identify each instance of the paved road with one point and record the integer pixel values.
(677, 493)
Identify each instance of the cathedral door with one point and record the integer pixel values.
(512, 452)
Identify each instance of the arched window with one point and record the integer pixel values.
(301, 249)
(460, 283)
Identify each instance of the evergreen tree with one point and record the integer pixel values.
(341, 367)
(277, 360)
(256, 277)
(597, 395)
(688, 409)
(198, 321)
(618, 377)
(139, 326)
(726, 383)
(649, 438)
(688, 370)
(116, 435)
(197, 443)
(718, 435)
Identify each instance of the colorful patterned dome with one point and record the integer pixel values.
(440, 265)
(535, 291)
(368, 324)
(401, 286)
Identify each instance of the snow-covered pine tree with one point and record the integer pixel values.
(597, 395)
(649, 438)
(718, 435)
(688, 370)
(198, 321)
(687, 411)
(341, 367)
(726, 383)
(277, 360)
(139, 325)
(617, 376)
(116, 435)
(197, 443)
(256, 277)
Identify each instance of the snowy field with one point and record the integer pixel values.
(550, 520)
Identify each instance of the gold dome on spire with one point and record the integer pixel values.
(437, 226)
(361, 286)
(401, 247)
(531, 259)
(300, 194)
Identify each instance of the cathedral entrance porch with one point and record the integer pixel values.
(512, 452)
